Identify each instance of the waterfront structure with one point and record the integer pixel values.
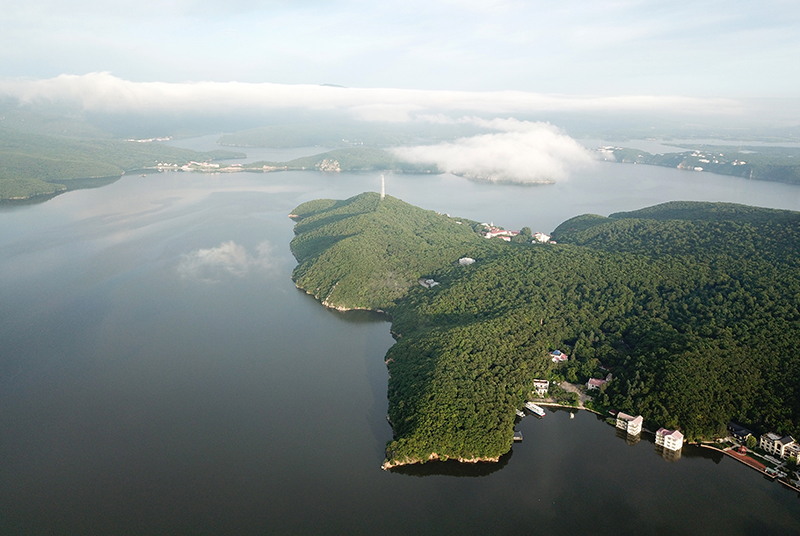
(541, 386)
(669, 439)
(530, 406)
(557, 357)
(775, 444)
(632, 425)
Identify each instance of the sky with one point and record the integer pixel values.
(709, 49)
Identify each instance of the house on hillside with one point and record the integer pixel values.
(629, 423)
(491, 232)
(669, 439)
(775, 444)
(594, 383)
(557, 357)
(541, 238)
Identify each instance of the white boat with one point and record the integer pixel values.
(533, 408)
(520, 413)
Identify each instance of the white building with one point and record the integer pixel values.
(629, 423)
(594, 383)
(465, 261)
(557, 357)
(669, 439)
(541, 238)
(541, 386)
(775, 444)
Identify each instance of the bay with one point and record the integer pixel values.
(160, 374)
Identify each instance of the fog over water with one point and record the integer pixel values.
(160, 373)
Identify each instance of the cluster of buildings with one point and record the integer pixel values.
(780, 446)
(668, 439)
(490, 231)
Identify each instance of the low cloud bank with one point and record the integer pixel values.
(229, 259)
(523, 152)
(103, 92)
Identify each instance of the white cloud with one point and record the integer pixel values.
(103, 92)
(228, 259)
(522, 151)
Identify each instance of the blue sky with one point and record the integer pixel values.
(728, 49)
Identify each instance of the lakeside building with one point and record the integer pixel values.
(541, 387)
(669, 439)
(630, 424)
(740, 433)
(775, 444)
(557, 357)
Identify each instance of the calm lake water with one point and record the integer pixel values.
(160, 374)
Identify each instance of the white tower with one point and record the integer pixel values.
(383, 187)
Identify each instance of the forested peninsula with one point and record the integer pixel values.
(33, 163)
(693, 307)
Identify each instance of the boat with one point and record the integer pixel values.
(533, 408)
(517, 436)
(520, 413)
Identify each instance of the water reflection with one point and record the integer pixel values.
(353, 317)
(631, 440)
(668, 454)
(453, 468)
(694, 451)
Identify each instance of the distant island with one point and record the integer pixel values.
(348, 159)
(777, 164)
(691, 307)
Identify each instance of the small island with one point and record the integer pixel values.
(688, 310)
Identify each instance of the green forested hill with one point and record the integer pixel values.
(692, 306)
(33, 164)
(351, 159)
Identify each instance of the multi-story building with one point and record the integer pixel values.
(775, 444)
(629, 423)
(541, 387)
(669, 439)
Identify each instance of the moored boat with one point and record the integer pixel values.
(533, 408)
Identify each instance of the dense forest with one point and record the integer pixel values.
(693, 308)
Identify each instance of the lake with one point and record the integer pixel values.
(160, 374)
